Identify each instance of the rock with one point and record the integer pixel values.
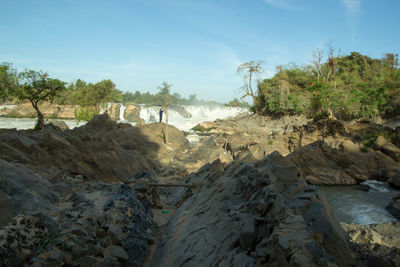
(132, 113)
(181, 110)
(57, 123)
(300, 231)
(395, 180)
(247, 236)
(383, 238)
(363, 187)
(6, 209)
(381, 141)
(322, 164)
(394, 206)
(117, 252)
(25, 110)
(115, 233)
(22, 233)
(390, 150)
(55, 255)
(114, 111)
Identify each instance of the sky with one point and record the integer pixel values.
(195, 45)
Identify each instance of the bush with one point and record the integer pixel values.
(85, 113)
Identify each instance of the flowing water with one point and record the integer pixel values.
(148, 113)
(198, 114)
(352, 205)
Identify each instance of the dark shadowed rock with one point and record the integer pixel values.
(234, 210)
(394, 206)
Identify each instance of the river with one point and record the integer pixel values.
(351, 205)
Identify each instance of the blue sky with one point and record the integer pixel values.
(194, 45)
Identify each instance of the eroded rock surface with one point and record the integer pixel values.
(252, 213)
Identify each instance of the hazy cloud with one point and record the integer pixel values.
(353, 9)
(283, 4)
(352, 6)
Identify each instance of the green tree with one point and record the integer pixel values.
(248, 70)
(8, 81)
(37, 86)
(164, 92)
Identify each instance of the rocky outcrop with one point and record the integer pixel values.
(86, 229)
(379, 243)
(25, 110)
(181, 110)
(328, 151)
(100, 150)
(324, 164)
(132, 113)
(114, 111)
(252, 214)
(58, 123)
(394, 207)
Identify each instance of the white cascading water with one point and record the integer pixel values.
(149, 114)
(199, 114)
(121, 113)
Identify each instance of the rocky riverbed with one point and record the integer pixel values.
(247, 193)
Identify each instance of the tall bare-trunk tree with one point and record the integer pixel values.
(248, 70)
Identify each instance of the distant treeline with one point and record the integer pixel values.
(91, 94)
(344, 87)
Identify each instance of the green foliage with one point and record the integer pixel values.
(36, 86)
(371, 101)
(8, 81)
(85, 113)
(270, 142)
(344, 86)
(236, 103)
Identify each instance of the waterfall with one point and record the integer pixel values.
(199, 114)
(150, 114)
(121, 112)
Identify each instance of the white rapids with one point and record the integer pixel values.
(149, 114)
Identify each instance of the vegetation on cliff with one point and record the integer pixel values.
(345, 87)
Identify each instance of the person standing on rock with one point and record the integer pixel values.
(161, 113)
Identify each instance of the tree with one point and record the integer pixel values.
(248, 69)
(8, 80)
(164, 93)
(35, 87)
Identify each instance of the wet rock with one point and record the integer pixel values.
(394, 206)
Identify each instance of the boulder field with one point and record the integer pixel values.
(247, 194)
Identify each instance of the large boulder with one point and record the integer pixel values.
(181, 110)
(101, 149)
(247, 214)
(380, 243)
(115, 111)
(394, 206)
(132, 113)
(49, 110)
(324, 164)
